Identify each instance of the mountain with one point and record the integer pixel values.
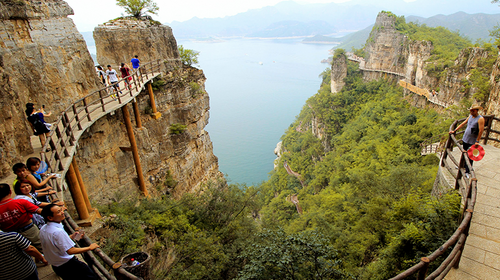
(351, 15)
(472, 26)
(475, 26)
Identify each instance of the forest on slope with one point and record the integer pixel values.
(364, 192)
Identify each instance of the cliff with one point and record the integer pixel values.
(172, 163)
(338, 73)
(391, 54)
(43, 60)
(119, 40)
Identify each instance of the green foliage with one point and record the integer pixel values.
(482, 83)
(138, 8)
(277, 255)
(326, 76)
(197, 237)
(354, 189)
(188, 57)
(158, 83)
(195, 89)
(338, 53)
(177, 128)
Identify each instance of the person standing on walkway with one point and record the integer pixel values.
(113, 80)
(37, 122)
(59, 247)
(15, 252)
(473, 132)
(135, 62)
(125, 74)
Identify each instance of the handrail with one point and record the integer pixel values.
(61, 144)
(468, 189)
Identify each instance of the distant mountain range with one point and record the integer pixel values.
(474, 27)
(290, 19)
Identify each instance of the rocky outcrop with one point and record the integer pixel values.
(172, 163)
(119, 40)
(44, 60)
(338, 73)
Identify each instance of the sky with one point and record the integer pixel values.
(90, 13)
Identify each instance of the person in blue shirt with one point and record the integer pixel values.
(135, 62)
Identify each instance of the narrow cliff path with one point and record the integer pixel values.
(294, 198)
(481, 255)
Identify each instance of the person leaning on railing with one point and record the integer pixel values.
(473, 132)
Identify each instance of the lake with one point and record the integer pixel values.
(256, 89)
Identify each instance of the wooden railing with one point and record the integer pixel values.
(468, 189)
(433, 145)
(61, 144)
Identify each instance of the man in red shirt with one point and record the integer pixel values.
(15, 215)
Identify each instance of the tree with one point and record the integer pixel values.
(138, 8)
(188, 57)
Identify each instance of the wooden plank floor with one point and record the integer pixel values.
(481, 255)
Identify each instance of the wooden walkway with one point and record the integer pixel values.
(71, 125)
(481, 255)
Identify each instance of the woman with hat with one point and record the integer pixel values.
(473, 132)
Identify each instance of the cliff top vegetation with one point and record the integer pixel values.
(138, 8)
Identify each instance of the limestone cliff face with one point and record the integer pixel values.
(392, 55)
(118, 41)
(171, 163)
(338, 73)
(44, 60)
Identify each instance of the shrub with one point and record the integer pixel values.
(177, 128)
(188, 57)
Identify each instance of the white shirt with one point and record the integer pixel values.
(55, 243)
(112, 75)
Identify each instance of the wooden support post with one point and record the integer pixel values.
(76, 193)
(82, 186)
(423, 271)
(156, 115)
(135, 152)
(137, 114)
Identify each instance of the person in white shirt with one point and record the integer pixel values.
(59, 248)
(113, 80)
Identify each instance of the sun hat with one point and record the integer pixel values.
(475, 107)
(476, 152)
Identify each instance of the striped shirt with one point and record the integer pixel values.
(16, 264)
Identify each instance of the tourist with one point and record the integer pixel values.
(36, 119)
(125, 74)
(33, 164)
(16, 215)
(135, 63)
(113, 80)
(15, 252)
(22, 172)
(59, 247)
(23, 188)
(101, 75)
(473, 132)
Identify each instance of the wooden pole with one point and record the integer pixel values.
(137, 114)
(76, 193)
(82, 186)
(135, 152)
(156, 115)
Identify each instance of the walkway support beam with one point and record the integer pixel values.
(82, 185)
(135, 152)
(137, 114)
(76, 193)
(156, 115)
